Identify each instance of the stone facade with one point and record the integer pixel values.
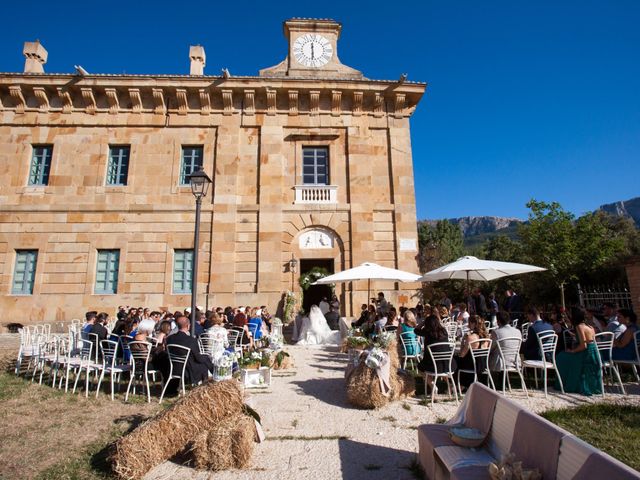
(252, 131)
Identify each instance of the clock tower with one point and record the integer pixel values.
(313, 51)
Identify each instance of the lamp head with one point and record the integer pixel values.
(200, 182)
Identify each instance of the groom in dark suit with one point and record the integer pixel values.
(198, 365)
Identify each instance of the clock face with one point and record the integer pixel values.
(312, 50)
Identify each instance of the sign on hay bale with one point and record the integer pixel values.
(173, 430)
(363, 384)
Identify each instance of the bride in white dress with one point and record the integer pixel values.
(314, 330)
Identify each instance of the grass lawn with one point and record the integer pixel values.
(49, 434)
(614, 429)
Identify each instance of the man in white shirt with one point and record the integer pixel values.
(613, 324)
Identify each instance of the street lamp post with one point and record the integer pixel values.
(200, 182)
(293, 267)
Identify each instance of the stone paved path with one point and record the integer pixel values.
(308, 403)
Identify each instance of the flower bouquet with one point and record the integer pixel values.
(250, 361)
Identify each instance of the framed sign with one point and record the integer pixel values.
(408, 245)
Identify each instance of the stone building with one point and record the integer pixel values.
(310, 160)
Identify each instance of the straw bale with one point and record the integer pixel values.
(169, 433)
(228, 445)
(363, 388)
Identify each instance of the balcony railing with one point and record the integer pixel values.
(316, 193)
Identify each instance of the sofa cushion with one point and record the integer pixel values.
(476, 472)
(502, 428)
(430, 437)
(480, 407)
(536, 442)
(459, 457)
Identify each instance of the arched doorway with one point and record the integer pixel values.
(315, 293)
(318, 246)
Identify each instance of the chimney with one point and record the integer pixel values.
(198, 59)
(35, 57)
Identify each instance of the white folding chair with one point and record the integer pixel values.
(547, 342)
(635, 364)
(441, 352)
(110, 365)
(452, 331)
(480, 357)
(525, 331)
(514, 323)
(409, 343)
(178, 357)
(86, 365)
(604, 342)
(140, 354)
(509, 351)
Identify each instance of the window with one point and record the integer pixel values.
(191, 162)
(25, 272)
(182, 271)
(107, 271)
(118, 168)
(315, 166)
(40, 164)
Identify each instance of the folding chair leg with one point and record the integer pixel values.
(618, 379)
(559, 380)
(99, 383)
(490, 379)
(454, 390)
(146, 380)
(504, 381)
(75, 384)
(535, 374)
(131, 379)
(86, 383)
(164, 389)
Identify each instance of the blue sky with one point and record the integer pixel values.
(525, 99)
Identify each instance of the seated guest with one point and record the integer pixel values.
(530, 348)
(380, 322)
(393, 321)
(477, 331)
(444, 312)
(364, 316)
(100, 330)
(579, 367)
(198, 365)
(504, 330)
(148, 321)
(217, 332)
(593, 321)
(199, 325)
(240, 319)
(333, 317)
(255, 324)
(463, 316)
(407, 330)
(624, 348)
(163, 333)
(266, 317)
(433, 332)
(614, 325)
(90, 320)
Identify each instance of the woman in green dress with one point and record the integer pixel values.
(579, 366)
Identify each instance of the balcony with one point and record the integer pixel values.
(324, 194)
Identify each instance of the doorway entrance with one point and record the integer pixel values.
(315, 293)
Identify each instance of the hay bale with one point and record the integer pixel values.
(228, 445)
(169, 433)
(285, 364)
(363, 385)
(363, 388)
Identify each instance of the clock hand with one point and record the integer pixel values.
(313, 56)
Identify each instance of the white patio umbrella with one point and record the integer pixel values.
(472, 268)
(369, 271)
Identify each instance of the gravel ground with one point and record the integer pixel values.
(313, 433)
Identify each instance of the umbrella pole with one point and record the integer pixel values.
(368, 290)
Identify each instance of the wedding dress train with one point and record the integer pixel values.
(314, 330)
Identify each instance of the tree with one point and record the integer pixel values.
(438, 244)
(549, 240)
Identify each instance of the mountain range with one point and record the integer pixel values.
(476, 230)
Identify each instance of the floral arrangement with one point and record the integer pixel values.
(224, 365)
(289, 310)
(276, 320)
(312, 276)
(357, 342)
(250, 360)
(273, 341)
(384, 340)
(375, 358)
